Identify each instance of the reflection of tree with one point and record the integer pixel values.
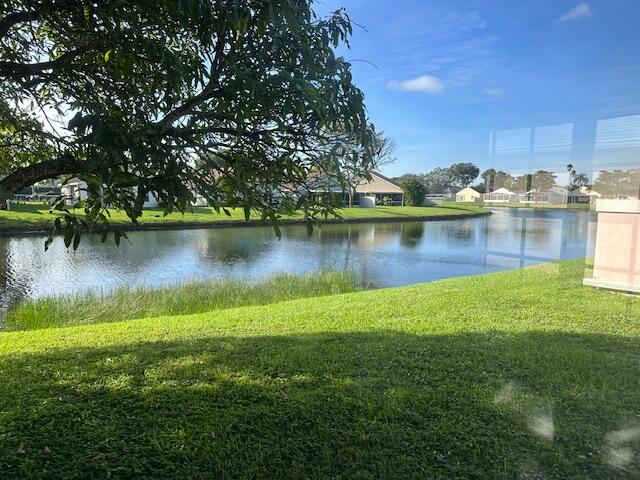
(618, 183)
(231, 244)
(411, 234)
(358, 234)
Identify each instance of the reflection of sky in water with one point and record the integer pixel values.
(386, 254)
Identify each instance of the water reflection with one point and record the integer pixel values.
(385, 254)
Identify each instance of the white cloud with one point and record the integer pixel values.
(493, 92)
(424, 83)
(576, 13)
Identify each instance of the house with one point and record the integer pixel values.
(367, 193)
(380, 190)
(468, 194)
(555, 195)
(501, 195)
(75, 190)
(583, 195)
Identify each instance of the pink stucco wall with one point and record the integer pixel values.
(617, 252)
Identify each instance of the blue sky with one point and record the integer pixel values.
(515, 85)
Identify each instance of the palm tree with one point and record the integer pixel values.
(572, 173)
(580, 180)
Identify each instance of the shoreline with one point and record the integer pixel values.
(131, 227)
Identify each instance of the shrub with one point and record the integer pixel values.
(414, 192)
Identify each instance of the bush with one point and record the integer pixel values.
(414, 192)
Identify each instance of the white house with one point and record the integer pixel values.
(75, 190)
(555, 195)
(501, 195)
(583, 195)
(468, 194)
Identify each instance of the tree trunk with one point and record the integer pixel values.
(27, 176)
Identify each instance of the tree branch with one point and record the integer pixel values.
(26, 176)
(13, 19)
(15, 69)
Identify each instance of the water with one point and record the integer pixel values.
(383, 254)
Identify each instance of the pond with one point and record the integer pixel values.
(382, 254)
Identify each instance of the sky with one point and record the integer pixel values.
(512, 85)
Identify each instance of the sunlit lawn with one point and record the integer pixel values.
(33, 216)
(526, 374)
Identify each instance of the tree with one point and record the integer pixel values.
(618, 183)
(438, 180)
(128, 94)
(572, 173)
(540, 181)
(493, 180)
(463, 174)
(414, 192)
(580, 180)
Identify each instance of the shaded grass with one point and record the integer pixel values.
(193, 297)
(524, 374)
(37, 216)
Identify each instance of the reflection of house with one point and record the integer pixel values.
(583, 195)
(500, 195)
(555, 195)
(75, 190)
(377, 191)
(468, 194)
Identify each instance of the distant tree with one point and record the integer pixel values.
(618, 183)
(480, 187)
(580, 180)
(408, 176)
(144, 88)
(463, 174)
(572, 172)
(493, 180)
(414, 191)
(438, 180)
(541, 181)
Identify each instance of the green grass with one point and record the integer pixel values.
(125, 303)
(37, 216)
(525, 374)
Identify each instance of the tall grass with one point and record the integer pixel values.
(194, 297)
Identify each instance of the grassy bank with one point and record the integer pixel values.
(525, 374)
(125, 304)
(29, 217)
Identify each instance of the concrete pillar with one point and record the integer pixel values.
(616, 263)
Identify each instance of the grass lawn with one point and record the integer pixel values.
(525, 374)
(37, 216)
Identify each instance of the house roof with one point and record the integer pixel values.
(583, 192)
(378, 184)
(504, 191)
(467, 190)
(73, 181)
